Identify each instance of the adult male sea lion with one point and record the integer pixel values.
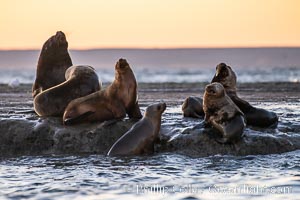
(141, 137)
(254, 116)
(223, 114)
(80, 81)
(193, 107)
(53, 62)
(114, 102)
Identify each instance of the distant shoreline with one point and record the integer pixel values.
(168, 49)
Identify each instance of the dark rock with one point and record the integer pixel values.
(201, 142)
(49, 136)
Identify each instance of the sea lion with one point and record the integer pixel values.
(114, 102)
(222, 114)
(53, 62)
(254, 116)
(193, 107)
(80, 81)
(141, 137)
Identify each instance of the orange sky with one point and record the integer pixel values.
(26, 24)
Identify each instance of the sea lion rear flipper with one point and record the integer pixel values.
(70, 121)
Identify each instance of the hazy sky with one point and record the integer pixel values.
(150, 23)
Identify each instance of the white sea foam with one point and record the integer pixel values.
(169, 65)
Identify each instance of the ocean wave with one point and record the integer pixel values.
(161, 75)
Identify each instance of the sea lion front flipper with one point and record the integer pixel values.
(117, 110)
(79, 118)
(135, 112)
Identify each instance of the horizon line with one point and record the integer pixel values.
(157, 48)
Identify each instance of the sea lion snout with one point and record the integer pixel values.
(156, 109)
(122, 64)
(162, 106)
(211, 89)
(221, 71)
(215, 89)
(60, 38)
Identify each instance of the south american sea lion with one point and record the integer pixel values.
(222, 114)
(254, 116)
(193, 107)
(141, 137)
(80, 81)
(114, 102)
(53, 62)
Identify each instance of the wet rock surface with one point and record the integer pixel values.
(23, 133)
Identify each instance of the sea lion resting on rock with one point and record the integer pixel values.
(254, 116)
(80, 81)
(53, 62)
(193, 107)
(141, 137)
(114, 102)
(223, 114)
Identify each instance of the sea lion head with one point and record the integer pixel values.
(122, 66)
(77, 111)
(226, 76)
(55, 45)
(155, 110)
(214, 90)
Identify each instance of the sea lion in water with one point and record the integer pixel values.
(141, 137)
(254, 116)
(114, 102)
(193, 107)
(80, 81)
(53, 62)
(223, 114)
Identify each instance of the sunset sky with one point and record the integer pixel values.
(26, 24)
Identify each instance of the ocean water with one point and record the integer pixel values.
(165, 176)
(161, 176)
(168, 65)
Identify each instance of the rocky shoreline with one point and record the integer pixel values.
(22, 132)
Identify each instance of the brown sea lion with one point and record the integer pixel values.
(193, 107)
(114, 102)
(141, 137)
(222, 114)
(80, 81)
(254, 116)
(53, 62)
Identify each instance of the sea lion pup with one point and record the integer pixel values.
(141, 137)
(53, 62)
(114, 102)
(222, 114)
(254, 116)
(193, 107)
(80, 81)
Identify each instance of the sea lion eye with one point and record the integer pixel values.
(158, 107)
